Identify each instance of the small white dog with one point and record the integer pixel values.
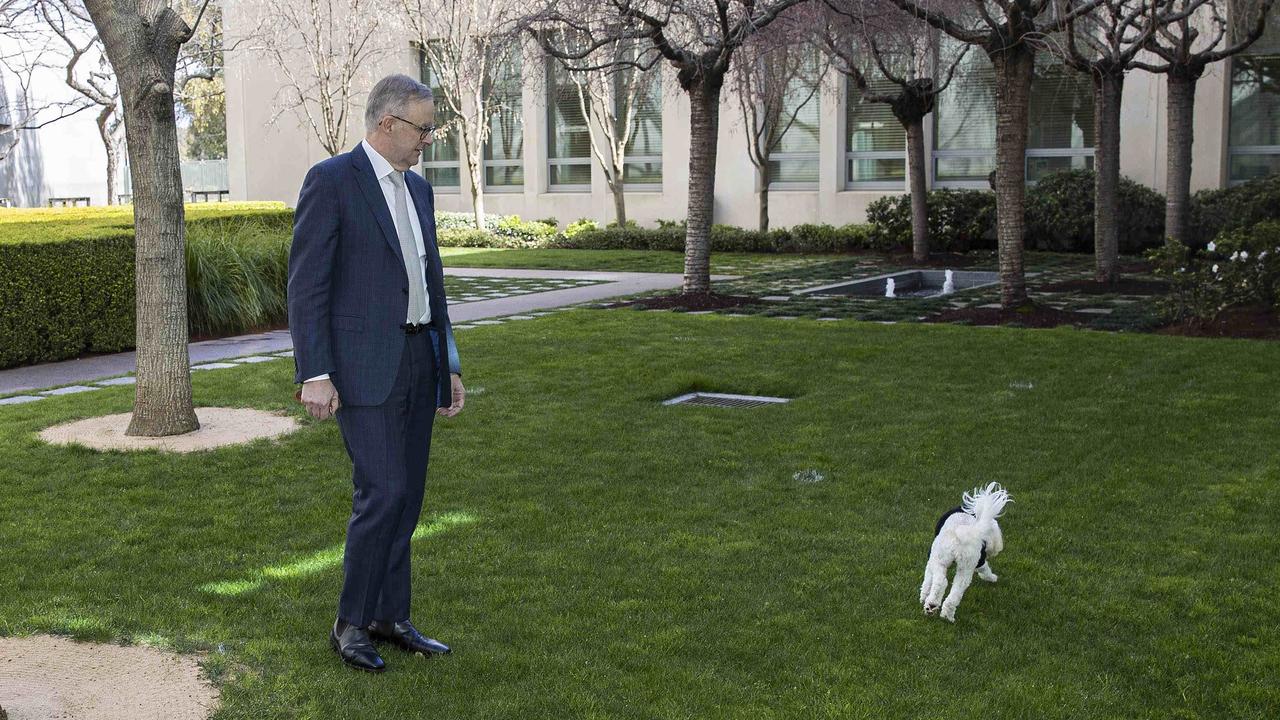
(966, 536)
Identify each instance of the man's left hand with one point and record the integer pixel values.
(459, 397)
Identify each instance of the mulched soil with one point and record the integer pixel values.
(690, 301)
(1258, 323)
(1138, 266)
(1032, 316)
(1126, 286)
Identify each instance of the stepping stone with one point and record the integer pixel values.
(785, 317)
(827, 319)
(487, 322)
(20, 399)
(69, 390)
(1097, 311)
(285, 354)
(700, 312)
(518, 317)
(214, 366)
(886, 322)
(776, 298)
(254, 359)
(463, 327)
(990, 305)
(117, 381)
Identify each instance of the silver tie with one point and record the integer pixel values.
(409, 248)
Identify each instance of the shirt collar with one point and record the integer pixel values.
(381, 166)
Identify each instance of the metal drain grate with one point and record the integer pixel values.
(725, 400)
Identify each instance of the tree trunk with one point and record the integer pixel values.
(919, 191)
(1181, 107)
(765, 179)
(1014, 66)
(619, 200)
(704, 127)
(144, 53)
(109, 145)
(1108, 88)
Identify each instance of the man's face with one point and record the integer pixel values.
(407, 141)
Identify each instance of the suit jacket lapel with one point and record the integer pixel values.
(377, 201)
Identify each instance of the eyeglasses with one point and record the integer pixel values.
(425, 131)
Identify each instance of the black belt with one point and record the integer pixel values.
(413, 329)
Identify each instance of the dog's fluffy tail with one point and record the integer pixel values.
(986, 504)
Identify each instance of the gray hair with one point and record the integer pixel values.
(390, 97)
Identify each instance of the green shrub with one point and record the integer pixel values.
(1239, 267)
(552, 221)
(580, 225)
(1239, 206)
(518, 233)
(724, 238)
(237, 274)
(1059, 212)
(959, 220)
(467, 237)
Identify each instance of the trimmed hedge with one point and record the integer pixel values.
(67, 276)
(959, 221)
(1060, 214)
(1240, 206)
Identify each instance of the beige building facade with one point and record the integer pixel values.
(837, 158)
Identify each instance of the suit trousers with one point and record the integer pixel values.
(389, 445)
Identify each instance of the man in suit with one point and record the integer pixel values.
(373, 346)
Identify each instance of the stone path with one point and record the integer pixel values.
(563, 288)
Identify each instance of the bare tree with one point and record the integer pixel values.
(613, 93)
(467, 47)
(698, 38)
(1202, 32)
(893, 60)
(779, 72)
(321, 48)
(1104, 44)
(1008, 32)
(142, 41)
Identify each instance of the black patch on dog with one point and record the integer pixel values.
(982, 559)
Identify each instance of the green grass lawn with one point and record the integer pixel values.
(590, 553)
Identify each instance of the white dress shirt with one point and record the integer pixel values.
(382, 170)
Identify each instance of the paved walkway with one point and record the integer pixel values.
(93, 369)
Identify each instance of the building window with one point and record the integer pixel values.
(875, 143)
(1060, 127)
(642, 160)
(1254, 135)
(568, 135)
(504, 151)
(440, 158)
(1060, 122)
(793, 163)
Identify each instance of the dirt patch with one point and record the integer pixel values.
(1257, 323)
(1033, 316)
(52, 678)
(219, 427)
(1125, 286)
(1137, 266)
(687, 301)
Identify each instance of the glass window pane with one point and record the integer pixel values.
(877, 170)
(1249, 167)
(966, 111)
(642, 173)
(1061, 112)
(646, 136)
(872, 125)
(1038, 167)
(506, 126)
(442, 153)
(570, 174)
(802, 103)
(568, 133)
(1255, 100)
(798, 170)
(964, 168)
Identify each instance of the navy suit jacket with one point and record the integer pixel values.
(348, 294)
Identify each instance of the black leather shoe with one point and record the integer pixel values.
(354, 647)
(406, 637)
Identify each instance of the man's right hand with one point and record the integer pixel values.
(320, 398)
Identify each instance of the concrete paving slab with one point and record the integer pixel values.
(20, 399)
(118, 381)
(69, 390)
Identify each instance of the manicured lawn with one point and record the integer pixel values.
(590, 553)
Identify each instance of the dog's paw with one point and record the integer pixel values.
(990, 577)
(948, 613)
(930, 609)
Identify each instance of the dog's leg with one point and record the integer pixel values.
(928, 582)
(964, 576)
(984, 572)
(938, 574)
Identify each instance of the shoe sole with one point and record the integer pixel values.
(333, 642)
